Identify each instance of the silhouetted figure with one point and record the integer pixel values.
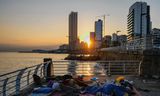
(37, 80)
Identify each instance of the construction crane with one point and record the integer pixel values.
(102, 16)
(104, 20)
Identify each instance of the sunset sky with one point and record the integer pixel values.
(43, 24)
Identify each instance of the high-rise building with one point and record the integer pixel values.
(114, 37)
(92, 40)
(98, 32)
(139, 26)
(122, 39)
(156, 38)
(73, 22)
(106, 41)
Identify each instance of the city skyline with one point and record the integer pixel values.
(44, 24)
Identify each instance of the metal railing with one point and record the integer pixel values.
(121, 67)
(13, 82)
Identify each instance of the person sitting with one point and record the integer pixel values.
(37, 80)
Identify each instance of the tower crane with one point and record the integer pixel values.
(104, 20)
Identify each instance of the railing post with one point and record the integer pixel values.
(139, 68)
(18, 81)
(83, 71)
(124, 68)
(4, 86)
(48, 67)
(42, 75)
(28, 77)
(109, 68)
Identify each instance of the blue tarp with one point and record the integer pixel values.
(107, 89)
(43, 90)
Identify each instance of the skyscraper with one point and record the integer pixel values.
(73, 22)
(156, 38)
(98, 32)
(138, 25)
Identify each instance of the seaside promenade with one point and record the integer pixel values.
(15, 83)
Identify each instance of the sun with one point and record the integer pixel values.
(85, 38)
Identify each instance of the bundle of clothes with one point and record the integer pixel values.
(117, 87)
(68, 86)
(58, 86)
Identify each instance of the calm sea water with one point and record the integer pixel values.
(10, 61)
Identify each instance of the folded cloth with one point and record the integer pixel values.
(55, 85)
(112, 88)
(92, 89)
(44, 90)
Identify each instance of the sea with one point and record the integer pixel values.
(11, 61)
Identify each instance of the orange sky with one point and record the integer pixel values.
(31, 23)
